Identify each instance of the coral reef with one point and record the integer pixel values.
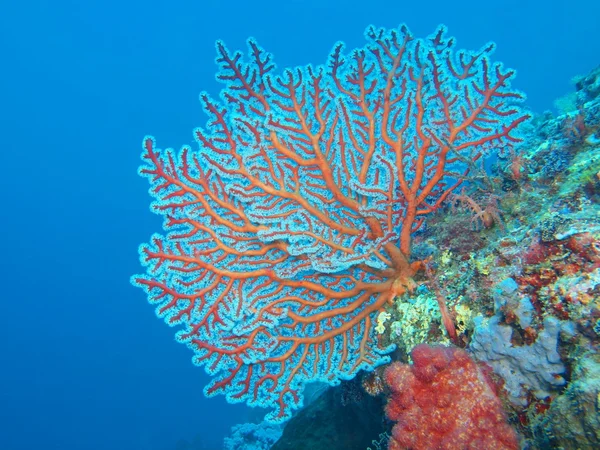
(536, 368)
(445, 401)
(337, 217)
(291, 227)
(573, 418)
(418, 320)
(526, 298)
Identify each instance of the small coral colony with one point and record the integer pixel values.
(397, 201)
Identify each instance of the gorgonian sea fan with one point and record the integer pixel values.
(289, 227)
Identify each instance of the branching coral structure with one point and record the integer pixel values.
(289, 227)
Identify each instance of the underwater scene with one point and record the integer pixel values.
(385, 244)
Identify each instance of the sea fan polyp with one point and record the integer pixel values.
(289, 226)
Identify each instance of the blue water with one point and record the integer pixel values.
(85, 364)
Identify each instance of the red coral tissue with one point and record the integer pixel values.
(445, 401)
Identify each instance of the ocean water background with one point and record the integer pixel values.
(84, 363)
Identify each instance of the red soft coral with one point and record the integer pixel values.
(445, 401)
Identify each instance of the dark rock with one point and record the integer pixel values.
(327, 424)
